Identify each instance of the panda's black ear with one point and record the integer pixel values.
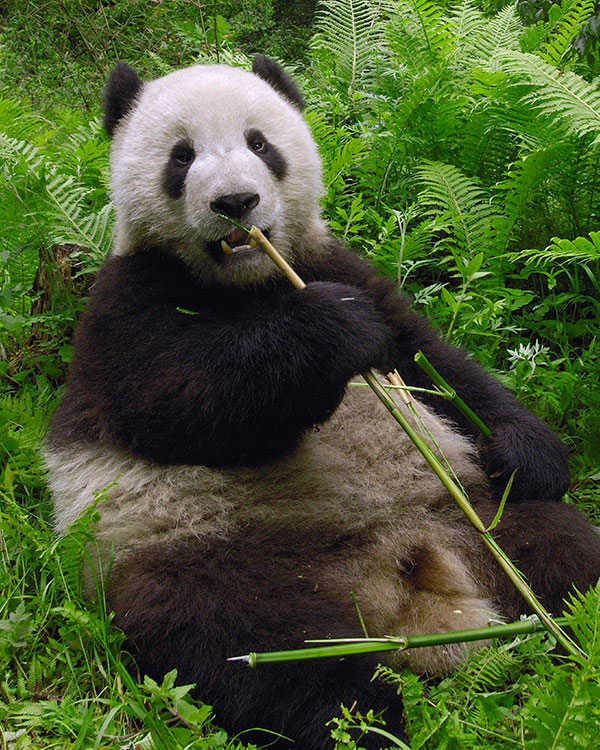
(120, 94)
(272, 72)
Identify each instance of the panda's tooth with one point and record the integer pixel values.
(226, 248)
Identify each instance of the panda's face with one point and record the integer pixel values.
(213, 140)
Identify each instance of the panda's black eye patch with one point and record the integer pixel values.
(266, 151)
(180, 160)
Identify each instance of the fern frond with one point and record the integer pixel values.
(564, 712)
(421, 34)
(351, 31)
(488, 143)
(491, 38)
(574, 14)
(69, 218)
(487, 669)
(466, 205)
(561, 252)
(565, 98)
(523, 179)
(15, 149)
(17, 122)
(465, 19)
(584, 615)
(74, 223)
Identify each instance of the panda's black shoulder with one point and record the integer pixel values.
(148, 276)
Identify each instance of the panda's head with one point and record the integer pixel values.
(206, 140)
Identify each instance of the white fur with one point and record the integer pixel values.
(213, 107)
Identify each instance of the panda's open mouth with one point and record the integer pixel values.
(235, 243)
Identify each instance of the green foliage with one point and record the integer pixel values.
(348, 32)
(64, 676)
(478, 151)
(70, 45)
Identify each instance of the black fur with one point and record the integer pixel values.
(275, 76)
(287, 355)
(520, 440)
(176, 169)
(266, 151)
(166, 596)
(235, 205)
(120, 94)
(237, 383)
(554, 546)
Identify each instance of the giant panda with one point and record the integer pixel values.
(247, 492)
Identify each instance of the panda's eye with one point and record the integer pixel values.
(267, 152)
(182, 156)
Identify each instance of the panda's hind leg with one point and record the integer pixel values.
(554, 546)
(425, 586)
(192, 604)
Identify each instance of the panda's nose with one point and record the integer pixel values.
(234, 206)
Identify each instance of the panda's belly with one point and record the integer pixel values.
(358, 470)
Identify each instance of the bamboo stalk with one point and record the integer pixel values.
(438, 380)
(351, 646)
(256, 235)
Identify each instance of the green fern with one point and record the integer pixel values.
(564, 712)
(73, 223)
(581, 250)
(493, 36)
(67, 217)
(488, 142)
(523, 180)
(466, 19)
(464, 204)
(564, 98)
(569, 21)
(351, 32)
(421, 34)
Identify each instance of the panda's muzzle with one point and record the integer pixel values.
(237, 242)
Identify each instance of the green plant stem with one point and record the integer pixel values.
(438, 380)
(350, 646)
(459, 496)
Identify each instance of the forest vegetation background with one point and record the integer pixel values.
(461, 151)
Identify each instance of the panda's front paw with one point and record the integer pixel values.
(345, 321)
(539, 457)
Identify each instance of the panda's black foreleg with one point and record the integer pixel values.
(190, 605)
(520, 440)
(556, 548)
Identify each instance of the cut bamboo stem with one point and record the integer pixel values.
(256, 235)
(339, 648)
